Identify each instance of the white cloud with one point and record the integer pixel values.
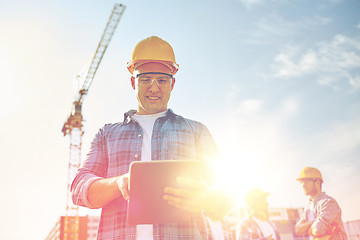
(233, 90)
(354, 81)
(343, 137)
(250, 107)
(336, 1)
(290, 107)
(287, 66)
(330, 61)
(273, 28)
(275, 25)
(249, 3)
(319, 20)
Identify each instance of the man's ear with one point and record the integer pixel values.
(132, 79)
(172, 84)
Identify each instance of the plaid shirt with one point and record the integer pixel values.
(327, 213)
(117, 145)
(248, 229)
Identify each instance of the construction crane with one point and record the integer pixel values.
(74, 123)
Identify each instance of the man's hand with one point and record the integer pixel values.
(303, 227)
(103, 191)
(123, 184)
(190, 196)
(195, 195)
(270, 237)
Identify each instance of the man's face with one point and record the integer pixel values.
(153, 87)
(309, 187)
(260, 205)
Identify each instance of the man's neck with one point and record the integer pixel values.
(314, 196)
(141, 111)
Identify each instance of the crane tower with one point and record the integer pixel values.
(74, 123)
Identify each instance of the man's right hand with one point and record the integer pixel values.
(270, 237)
(303, 227)
(103, 191)
(123, 184)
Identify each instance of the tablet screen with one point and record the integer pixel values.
(147, 182)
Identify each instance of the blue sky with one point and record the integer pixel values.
(277, 82)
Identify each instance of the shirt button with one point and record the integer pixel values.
(136, 155)
(139, 135)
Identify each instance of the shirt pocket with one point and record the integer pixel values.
(179, 144)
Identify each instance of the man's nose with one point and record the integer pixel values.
(154, 87)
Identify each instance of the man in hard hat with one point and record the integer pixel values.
(256, 225)
(322, 215)
(152, 132)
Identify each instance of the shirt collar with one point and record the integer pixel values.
(318, 197)
(128, 115)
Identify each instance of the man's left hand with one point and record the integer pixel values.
(194, 195)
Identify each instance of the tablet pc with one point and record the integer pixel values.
(147, 182)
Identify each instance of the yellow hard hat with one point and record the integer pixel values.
(310, 173)
(254, 194)
(153, 49)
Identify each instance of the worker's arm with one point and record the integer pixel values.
(328, 212)
(196, 196)
(306, 228)
(103, 191)
(303, 227)
(314, 232)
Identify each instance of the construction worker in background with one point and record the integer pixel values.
(322, 215)
(152, 132)
(256, 225)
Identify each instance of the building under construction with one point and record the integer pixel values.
(75, 227)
